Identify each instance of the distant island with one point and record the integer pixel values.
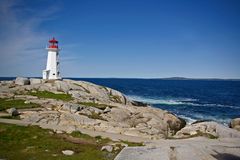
(207, 79)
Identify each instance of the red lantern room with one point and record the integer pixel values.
(53, 43)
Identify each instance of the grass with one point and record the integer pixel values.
(116, 98)
(46, 94)
(198, 134)
(98, 140)
(208, 135)
(16, 103)
(82, 136)
(96, 105)
(32, 142)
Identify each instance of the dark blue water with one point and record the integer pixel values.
(189, 99)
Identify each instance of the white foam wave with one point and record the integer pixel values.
(220, 105)
(177, 101)
(171, 101)
(213, 105)
(224, 121)
(189, 120)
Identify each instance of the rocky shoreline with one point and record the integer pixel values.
(68, 105)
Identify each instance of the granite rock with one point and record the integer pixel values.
(235, 124)
(22, 81)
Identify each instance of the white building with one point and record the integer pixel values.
(52, 68)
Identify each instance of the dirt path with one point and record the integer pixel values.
(13, 121)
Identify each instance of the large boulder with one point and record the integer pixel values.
(174, 123)
(22, 81)
(235, 124)
(209, 129)
(12, 111)
(108, 148)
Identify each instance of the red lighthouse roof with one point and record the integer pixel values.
(53, 40)
(53, 43)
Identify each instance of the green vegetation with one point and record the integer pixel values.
(102, 141)
(116, 99)
(46, 94)
(98, 140)
(105, 88)
(83, 88)
(198, 134)
(132, 144)
(208, 135)
(96, 105)
(32, 142)
(96, 116)
(16, 103)
(82, 136)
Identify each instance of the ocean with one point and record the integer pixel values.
(217, 100)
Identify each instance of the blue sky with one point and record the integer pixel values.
(122, 38)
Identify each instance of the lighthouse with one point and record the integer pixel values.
(52, 68)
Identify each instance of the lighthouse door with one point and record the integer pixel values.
(45, 74)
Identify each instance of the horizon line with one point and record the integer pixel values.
(163, 78)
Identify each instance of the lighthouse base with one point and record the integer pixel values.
(46, 75)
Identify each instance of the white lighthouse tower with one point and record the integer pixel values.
(52, 69)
